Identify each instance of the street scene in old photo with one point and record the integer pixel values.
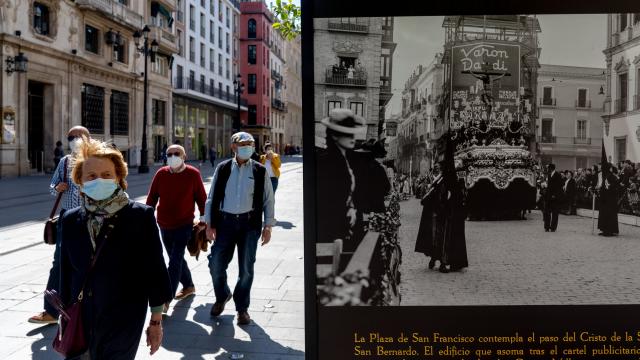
(477, 160)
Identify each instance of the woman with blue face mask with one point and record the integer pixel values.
(129, 276)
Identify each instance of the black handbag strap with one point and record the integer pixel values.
(55, 206)
(110, 225)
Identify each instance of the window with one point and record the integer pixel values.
(93, 108)
(252, 29)
(192, 49)
(41, 23)
(636, 18)
(621, 149)
(212, 9)
(220, 64)
(253, 114)
(211, 57)
(623, 22)
(228, 92)
(252, 85)
(547, 130)
(582, 98)
(91, 39)
(581, 162)
(212, 32)
(334, 105)
(220, 10)
(227, 19)
(119, 121)
(622, 100)
(581, 131)
(203, 30)
(227, 68)
(264, 88)
(202, 84)
(227, 42)
(220, 37)
(202, 3)
(357, 108)
(192, 18)
(192, 80)
(158, 111)
(202, 56)
(546, 95)
(212, 87)
(252, 54)
(120, 52)
(161, 65)
(180, 43)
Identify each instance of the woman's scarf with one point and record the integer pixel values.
(99, 210)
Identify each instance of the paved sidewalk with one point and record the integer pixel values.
(277, 298)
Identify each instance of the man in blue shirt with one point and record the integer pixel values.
(71, 198)
(240, 194)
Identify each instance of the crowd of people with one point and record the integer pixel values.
(116, 281)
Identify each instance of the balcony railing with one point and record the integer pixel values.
(583, 104)
(115, 10)
(278, 104)
(548, 102)
(582, 140)
(341, 76)
(183, 83)
(236, 3)
(276, 76)
(340, 26)
(547, 139)
(387, 37)
(620, 105)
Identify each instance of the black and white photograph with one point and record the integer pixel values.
(477, 160)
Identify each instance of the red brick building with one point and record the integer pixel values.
(255, 34)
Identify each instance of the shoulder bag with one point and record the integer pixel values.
(51, 226)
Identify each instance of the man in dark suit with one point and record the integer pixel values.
(569, 188)
(553, 198)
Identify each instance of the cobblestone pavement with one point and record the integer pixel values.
(518, 263)
(277, 304)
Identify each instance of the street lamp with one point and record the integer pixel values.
(16, 63)
(147, 50)
(238, 87)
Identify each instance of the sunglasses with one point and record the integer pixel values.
(177, 154)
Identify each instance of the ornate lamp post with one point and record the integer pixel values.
(147, 50)
(238, 88)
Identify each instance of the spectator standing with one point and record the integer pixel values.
(58, 153)
(271, 161)
(177, 187)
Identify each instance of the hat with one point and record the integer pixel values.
(344, 121)
(241, 137)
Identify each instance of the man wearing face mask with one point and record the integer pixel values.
(240, 195)
(177, 186)
(71, 198)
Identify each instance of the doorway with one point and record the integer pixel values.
(35, 137)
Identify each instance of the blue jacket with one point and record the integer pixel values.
(129, 276)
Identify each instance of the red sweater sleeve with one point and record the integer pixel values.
(152, 197)
(200, 192)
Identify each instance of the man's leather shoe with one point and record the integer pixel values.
(443, 269)
(243, 318)
(218, 307)
(432, 263)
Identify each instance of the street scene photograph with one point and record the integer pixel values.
(477, 160)
(151, 165)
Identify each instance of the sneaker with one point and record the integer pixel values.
(43, 318)
(185, 292)
(218, 307)
(243, 318)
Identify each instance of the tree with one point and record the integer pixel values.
(289, 18)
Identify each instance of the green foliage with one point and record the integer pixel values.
(289, 18)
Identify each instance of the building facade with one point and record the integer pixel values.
(83, 69)
(419, 128)
(255, 38)
(205, 102)
(622, 103)
(352, 69)
(569, 127)
(293, 93)
(278, 103)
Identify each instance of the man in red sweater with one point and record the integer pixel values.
(178, 186)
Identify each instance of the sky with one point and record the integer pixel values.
(574, 40)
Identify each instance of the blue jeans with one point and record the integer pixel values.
(274, 184)
(175, 242)
(232, 232)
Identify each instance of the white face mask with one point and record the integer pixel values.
(175, 162)
(75, 144)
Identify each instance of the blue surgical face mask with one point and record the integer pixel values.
(245, 152)
(99, 189)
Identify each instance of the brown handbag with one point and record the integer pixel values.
(198, 241)
(51, 226)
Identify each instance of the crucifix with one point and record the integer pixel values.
(485, 75)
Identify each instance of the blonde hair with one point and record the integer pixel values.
(94, 148)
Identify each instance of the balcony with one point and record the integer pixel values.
(583, 104)
(548, 102)
(349, 27)
(547, 139)
(582, 141)
(340, 76)
(620, 105)
(114, 10)
(387, 37)
(181, 83)
(236, 4)
(276, 75)
(166, 40)
(386, 89)
(278, 105)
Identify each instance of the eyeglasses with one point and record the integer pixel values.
(177, 154)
